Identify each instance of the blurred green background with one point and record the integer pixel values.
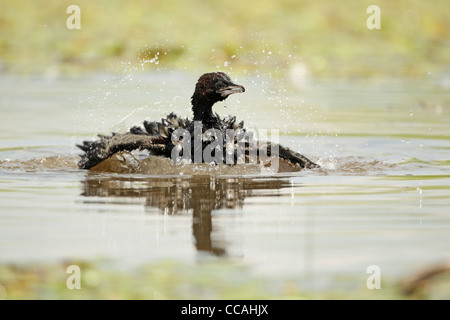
(329, 39)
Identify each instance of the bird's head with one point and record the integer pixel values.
(211, 88)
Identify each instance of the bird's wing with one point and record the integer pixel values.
(99, 150)
(154, 136)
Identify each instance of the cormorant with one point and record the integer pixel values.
(160, 138)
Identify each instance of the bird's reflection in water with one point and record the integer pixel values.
(196, 195)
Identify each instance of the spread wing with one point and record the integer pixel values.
(154, 137)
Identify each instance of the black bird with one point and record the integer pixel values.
(158, 138)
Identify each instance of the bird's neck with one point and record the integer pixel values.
(203, 110)
(205, 116)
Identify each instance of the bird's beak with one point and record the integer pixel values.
(233, 88)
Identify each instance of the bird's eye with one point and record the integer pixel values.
(220, 84)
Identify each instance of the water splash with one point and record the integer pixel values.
(45, 164)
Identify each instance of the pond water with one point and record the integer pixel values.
(380, 198)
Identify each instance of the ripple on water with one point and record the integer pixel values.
(129, 163)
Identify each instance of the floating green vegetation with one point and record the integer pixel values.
(209, 279)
